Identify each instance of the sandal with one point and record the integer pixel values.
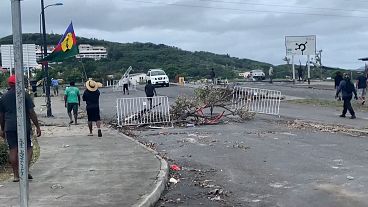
(30, 177)
(16, 180)
(90, 134)
(99, 133)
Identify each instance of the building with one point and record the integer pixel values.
(39, 51)
(92, 52)
(29, 56)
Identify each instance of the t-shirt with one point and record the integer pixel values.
(150, 90)
(54, 82)
(72, 94)
(362, 82)
(92, 98)
(8, 107)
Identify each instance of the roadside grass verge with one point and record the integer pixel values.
(330, 103)
(5, 168)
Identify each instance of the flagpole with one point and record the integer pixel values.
(48, 99)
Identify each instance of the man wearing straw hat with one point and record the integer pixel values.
(92, 98)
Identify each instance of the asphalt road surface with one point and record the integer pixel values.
(263, 162)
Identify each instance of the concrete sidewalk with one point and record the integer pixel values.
(78, 170)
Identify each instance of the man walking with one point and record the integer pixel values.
(150, 92)
(8, 123)
(213, 76)
(347, 88)
(361, 85)
(126, 84)
(72, 101)
(270, 74)
(92, 98)
(55, 86)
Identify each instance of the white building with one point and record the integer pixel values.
(92, 52)
(29, 56)
(39, 51)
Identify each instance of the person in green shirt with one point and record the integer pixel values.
(72, 101)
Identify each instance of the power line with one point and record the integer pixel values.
(246, 10)
(284, 6)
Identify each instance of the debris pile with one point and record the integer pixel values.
(209, 105)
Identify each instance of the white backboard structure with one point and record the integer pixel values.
(300, 45)
(29, 56)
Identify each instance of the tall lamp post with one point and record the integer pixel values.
(46, 65)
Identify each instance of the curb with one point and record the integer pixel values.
(150, 199)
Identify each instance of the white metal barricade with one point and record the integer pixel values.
(117, 85)
(257, 100)
(143, 110)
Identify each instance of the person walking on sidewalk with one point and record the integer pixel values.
(361, 85)
(8, 123)
(55, 86)
(150, 92)
(92, 98)
(72, 101)
(347, 89)
(126, 84)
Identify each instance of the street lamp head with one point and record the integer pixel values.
(58, 4)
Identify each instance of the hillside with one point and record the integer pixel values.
(142, 56)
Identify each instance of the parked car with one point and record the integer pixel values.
(158, 77)
(257, 75)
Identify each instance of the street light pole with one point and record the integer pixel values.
(46, 65)
(20, 102)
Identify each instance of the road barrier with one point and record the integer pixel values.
(143, 110)
(257, 100)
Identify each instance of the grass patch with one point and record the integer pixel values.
(5, 168)
(330, 103)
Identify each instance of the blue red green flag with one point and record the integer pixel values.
(66, 48)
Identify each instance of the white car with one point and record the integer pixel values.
(257, 75)
(158, 77)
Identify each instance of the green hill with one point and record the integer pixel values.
(143, 56)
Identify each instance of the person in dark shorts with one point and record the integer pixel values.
(126, 84)
(8, 122)
(347, 89)
(361, 85)
(338, 78)
(150, 92)
(72, 101)
(92, 98)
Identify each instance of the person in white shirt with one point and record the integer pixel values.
(126, 84)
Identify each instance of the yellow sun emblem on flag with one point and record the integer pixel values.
(68, 42)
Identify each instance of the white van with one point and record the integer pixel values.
(158, 77)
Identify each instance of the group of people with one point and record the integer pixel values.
(345, 86)
(91, 96)
(8, 117)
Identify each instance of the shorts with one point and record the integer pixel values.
(56, 88)
(362, 92)
(93, 114)
(72, 107)
(12, 139)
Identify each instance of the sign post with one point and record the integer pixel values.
(293, 66)
(20, 102)
(301, 45)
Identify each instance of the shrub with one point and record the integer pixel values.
(3, 153)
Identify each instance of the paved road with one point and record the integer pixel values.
(270, 165)
(262, 162)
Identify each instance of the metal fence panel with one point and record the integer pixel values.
(143, 110)
(257, 100)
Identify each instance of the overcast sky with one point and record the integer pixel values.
(253, 29)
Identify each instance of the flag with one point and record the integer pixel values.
(66, 48)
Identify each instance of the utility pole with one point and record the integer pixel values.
(46, 64)
(20, 102)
